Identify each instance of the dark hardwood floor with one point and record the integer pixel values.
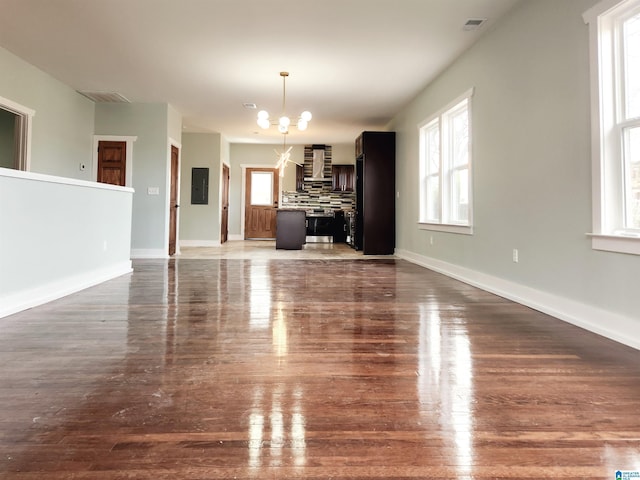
(308, 369)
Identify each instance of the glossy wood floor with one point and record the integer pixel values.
(308, 369)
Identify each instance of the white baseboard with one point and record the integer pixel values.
(611, 325)
(139, 253)
(235, 237)
(41, 294)
(199, 243)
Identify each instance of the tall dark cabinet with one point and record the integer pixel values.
(375, 232)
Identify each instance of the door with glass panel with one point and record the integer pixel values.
(261, 202)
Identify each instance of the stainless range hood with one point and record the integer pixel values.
(317, 164)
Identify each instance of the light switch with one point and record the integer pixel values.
(153, 191)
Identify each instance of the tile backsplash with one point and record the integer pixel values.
(318, 195)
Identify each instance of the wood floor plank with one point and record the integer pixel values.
(308, 369)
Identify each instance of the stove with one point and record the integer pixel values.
(319, 212)
(320, 226)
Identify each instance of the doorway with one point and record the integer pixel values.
(173, 200)
(224, 213)
(112, 162)
(261, 203)
(15, 135)
(128, 155)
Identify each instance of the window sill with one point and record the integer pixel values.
(615, 243)
(448, 228)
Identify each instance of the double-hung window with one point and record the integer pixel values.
(445, 168)
(615, 76)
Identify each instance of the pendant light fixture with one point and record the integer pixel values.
(284, 157)
(284, 121)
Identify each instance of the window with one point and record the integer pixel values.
(262, 188)
(615, 77)
(15, 135)
(445, 168)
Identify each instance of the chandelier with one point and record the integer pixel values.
(284, 157)
(284, 121)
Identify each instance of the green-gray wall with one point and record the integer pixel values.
(150, 123)
(62, 133)
(531, 171)
(200, 224)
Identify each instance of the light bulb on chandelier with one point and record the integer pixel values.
(284, 122)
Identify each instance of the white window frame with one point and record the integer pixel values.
(24, 122)
(445, 221)
(608, 127)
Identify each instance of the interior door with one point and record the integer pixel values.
(224, 214)
(261, 203)
(173, 201)
(112, 162)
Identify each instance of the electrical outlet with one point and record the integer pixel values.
(515, 255)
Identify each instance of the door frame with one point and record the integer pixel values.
(114, 138)
(223, 164)
(167, 221)
(244, 167)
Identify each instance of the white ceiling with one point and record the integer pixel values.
(353, 63)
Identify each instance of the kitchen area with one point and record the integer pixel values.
(343, 203)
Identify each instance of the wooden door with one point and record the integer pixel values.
(112, 162)
(173, 201)
(261, 203)
(224, 214)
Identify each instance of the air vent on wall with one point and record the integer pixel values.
(104, 97)
(474, 23)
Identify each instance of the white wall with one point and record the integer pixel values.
(59, 236)
(343, 154)
(531, 174)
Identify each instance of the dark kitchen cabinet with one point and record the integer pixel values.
(375, 193)
(291, 230)
(339, 227)
(343, 177)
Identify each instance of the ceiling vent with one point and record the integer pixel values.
(474, 23)
(250, 106)
(105, 97)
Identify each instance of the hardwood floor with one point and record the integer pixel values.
(308, 369)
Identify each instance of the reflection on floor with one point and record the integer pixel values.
(266, 249)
